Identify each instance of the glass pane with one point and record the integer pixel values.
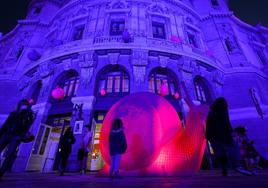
(151, 85)
(44, 142)
(158, 85)
(172, 88)
(110, 85)
(101, 85)
(38, 139)
(71, 88)
(125, 86)
(76, 87)
(117, 84)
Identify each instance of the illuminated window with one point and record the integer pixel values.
(162, 76)
(117, 28)
(158, 30)
(70, 86)
(202, 91)
(114, 81)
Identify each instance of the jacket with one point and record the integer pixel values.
(218, 130)
(117, 142)
(18, 123)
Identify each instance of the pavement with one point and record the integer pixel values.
(204, 179)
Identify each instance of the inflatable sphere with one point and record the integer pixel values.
(163, 89)
(157, 143)
(58, 93)
(149, 120)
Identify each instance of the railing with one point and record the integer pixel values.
(152, 42)
(108, 39)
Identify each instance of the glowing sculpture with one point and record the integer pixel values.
(175, 39)
(157, 143)
(103, 92)
(31, 101)
(176, 95)
(58, 93)
(163, 89)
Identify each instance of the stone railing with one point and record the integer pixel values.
(160, 43)
(108, 39)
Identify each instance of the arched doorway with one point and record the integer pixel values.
(45, 153)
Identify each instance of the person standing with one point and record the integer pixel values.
(219, 133)
(14, 131)
(84, 151)
(117, 146)
(66, 143)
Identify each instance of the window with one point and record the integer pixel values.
(114, 81)
(162, 76)
(192, 40)
(78, 33)
(215, 2)
(229, 44)
(262, 57)
(158, 30)
(70, 86)
(202, 91)
(117, 28)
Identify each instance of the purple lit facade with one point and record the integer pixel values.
(99, 51)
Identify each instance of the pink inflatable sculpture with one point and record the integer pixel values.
(157, 142)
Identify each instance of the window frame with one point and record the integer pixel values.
(159, 24)
(158, 75)
(202, 91)
(118, 32)
(113, 74)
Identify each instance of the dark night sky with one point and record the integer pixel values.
(250, 11)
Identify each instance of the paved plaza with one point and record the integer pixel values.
(204, 179)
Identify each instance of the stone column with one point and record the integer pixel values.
(87, 104)
(139, 67)
(41, 111)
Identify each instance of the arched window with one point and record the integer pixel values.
(69, 82)
(202, 91)
(114, 80)
(161, 76)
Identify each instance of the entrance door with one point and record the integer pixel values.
(38, 155)
(96, 162)
(52, 148)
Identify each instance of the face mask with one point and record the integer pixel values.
(23, 107)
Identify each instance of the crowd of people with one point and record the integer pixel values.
(231, 147)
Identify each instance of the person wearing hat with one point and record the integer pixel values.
(14, 131)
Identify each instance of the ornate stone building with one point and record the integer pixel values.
(102, 50)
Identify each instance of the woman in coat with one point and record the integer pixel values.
(117, 146)
(219, 132)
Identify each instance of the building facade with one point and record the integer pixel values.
(99, 51)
